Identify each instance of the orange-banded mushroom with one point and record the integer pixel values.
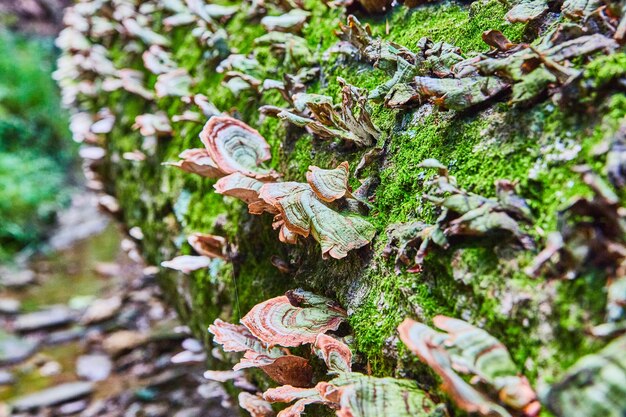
(246, 189)
(197, 161)
(469, 349)
(329, 184)
(303, 213)
(236, 147)
(278, 322)
(336, 354)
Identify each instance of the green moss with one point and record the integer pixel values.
(536, 146)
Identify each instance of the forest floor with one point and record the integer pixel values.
(84, 331)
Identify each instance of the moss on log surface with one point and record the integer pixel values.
(543, 322)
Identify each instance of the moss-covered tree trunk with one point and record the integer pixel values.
(543, 321)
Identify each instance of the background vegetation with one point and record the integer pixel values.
(34, 150)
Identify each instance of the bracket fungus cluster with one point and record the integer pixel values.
(463, 214)
(349, 121)
(299, 318)
(291, 320)
(581, 243)
(235, 154)
(441, 74)
(131, 69)
(468, 349)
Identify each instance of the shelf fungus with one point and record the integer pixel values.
(153, 124)
(176, 83)
(470, 350)
(449, 93)
(197, 161)
(529, 10)
(236, 147)
(336, 355)
(129, 80)
(149, 37)
(591, 233)
(463, 214)
(353, 394)
(235, 153)
(293, 319)
(302, 212)
(292, 21)
(594, 386)
(294, 49)
(158, 61)
(187, 263)
(211, 246)
(349, 121)
(277, 363)
(255, 405)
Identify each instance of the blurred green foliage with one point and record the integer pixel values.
(35, 153)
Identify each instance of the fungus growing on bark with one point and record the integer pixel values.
(356, 395)
(276, 363)
(187, 263)
(302, 212)
(329, 184)
(129, 80)
(278, 321)
(148, 36)
(594, 386)
(527, 10)
(255, 405)
(336, 355)
(592, 232)
(105, 120)
(153, 124)
(468, 349)
(350, 121)
(175, 83)
(197, 161)
(292, 21)
(294, 50)
(463, 214)
(211, 246)
(449, 93)
(245, 189)
(236, 147)
(158, 61)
